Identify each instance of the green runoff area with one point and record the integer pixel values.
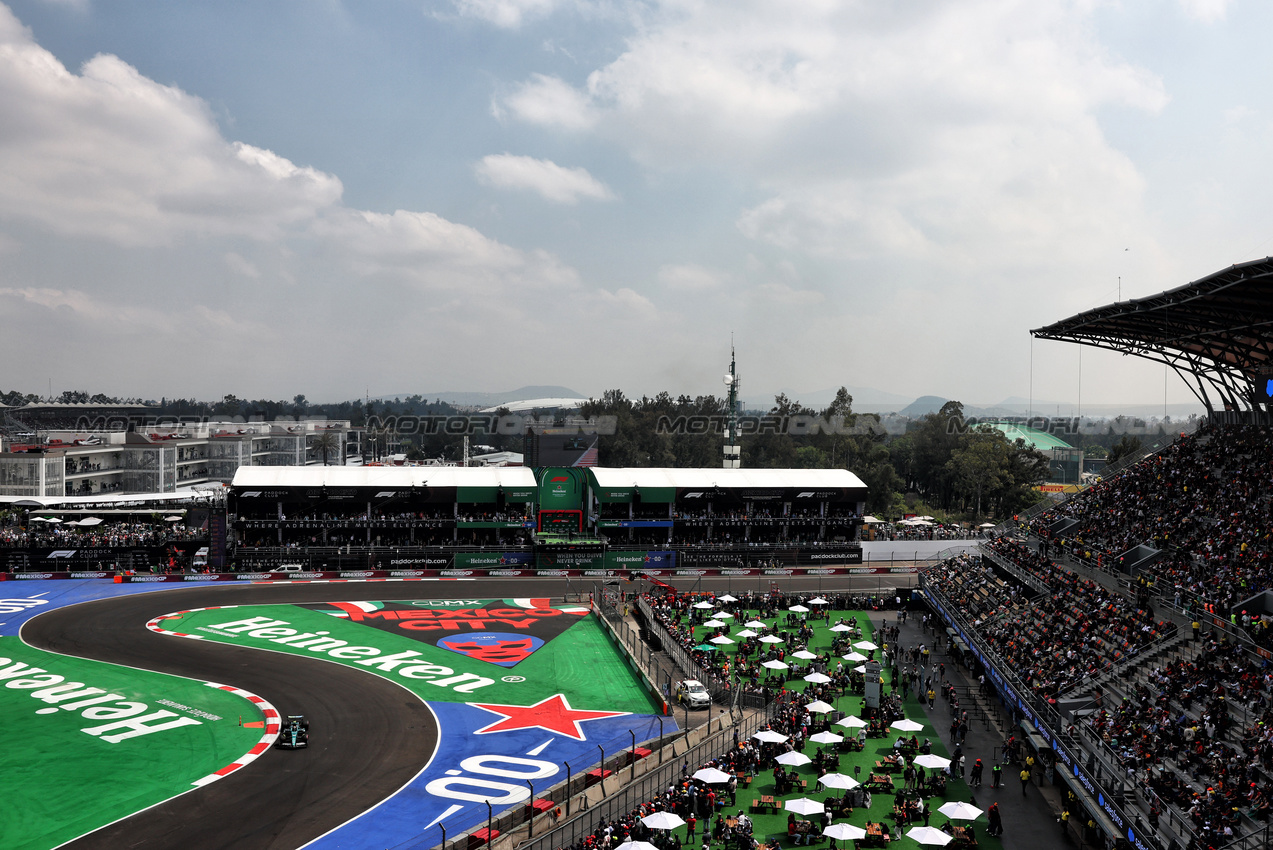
(87, 743)
(762, 784)
(580, 661)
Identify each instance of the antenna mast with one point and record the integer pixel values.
(733, 456)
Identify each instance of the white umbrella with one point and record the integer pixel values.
(771, 639)
(925, 835)
(805, 654)
(819, 706)
(865, 644)
(727, 598)
(663, 820)
(854, 656)
(906, 725)
(826, 738)
(775, 664)
(769, 736)
(956, 810)
(793, 759)
(819, 601)
(841, 627)
(713, 624)
(844, 831)
(723, 615)
(711, 776)
(852, 723)
(721, 639)
(92, 520)
(799, 609)
(861, 668)
(746, 633)
(804, 806)
(636, 845)
(704, 605)
(932, 761)
(818, 678)
(838, 780)
(173, 519)
(756, 624)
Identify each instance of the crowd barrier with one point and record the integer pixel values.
(527, 572)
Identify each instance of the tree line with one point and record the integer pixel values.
(940, 464)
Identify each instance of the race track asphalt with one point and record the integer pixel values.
(368, 737)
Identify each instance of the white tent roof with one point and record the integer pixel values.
(725, 478)
(115, 500)
(384, 476)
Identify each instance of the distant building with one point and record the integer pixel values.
(1065, 461)
(162, 459)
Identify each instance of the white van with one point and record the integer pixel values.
(199, 562)
(288, 568)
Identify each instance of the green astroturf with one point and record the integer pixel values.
(59, 782)
(581, 663)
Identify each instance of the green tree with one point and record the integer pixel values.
(325, 443)
(1128, 445)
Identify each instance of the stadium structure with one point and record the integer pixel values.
(1129, 628)
(546, 518)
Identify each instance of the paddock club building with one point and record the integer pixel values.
(410, 521)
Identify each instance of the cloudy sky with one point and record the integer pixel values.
(271, 198)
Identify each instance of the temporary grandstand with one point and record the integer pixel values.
(548, 517)
(1130, 627)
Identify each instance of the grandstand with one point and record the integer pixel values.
(1130, 626)
(549, 517)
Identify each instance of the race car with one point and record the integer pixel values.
(294, 733)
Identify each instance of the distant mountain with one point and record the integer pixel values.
(472, 399)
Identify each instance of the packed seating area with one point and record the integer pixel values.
(1192, 723)
(114, 534)
(1203, 501)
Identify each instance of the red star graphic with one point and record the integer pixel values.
(553, 714)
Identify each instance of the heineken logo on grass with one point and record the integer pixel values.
(128, 718)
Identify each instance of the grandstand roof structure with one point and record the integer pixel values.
(1034, 438)
(1216, 332)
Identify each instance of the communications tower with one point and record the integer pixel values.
(733, 454)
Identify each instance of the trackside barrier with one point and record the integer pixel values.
(524, 572)
(638, 655)
(618, 801)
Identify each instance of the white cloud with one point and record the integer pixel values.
(506, 13)
(549, 101)
(691, 277)
(1206, 11)
(112, 155)
(552, 181)
(966, 132)
(241, 265)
